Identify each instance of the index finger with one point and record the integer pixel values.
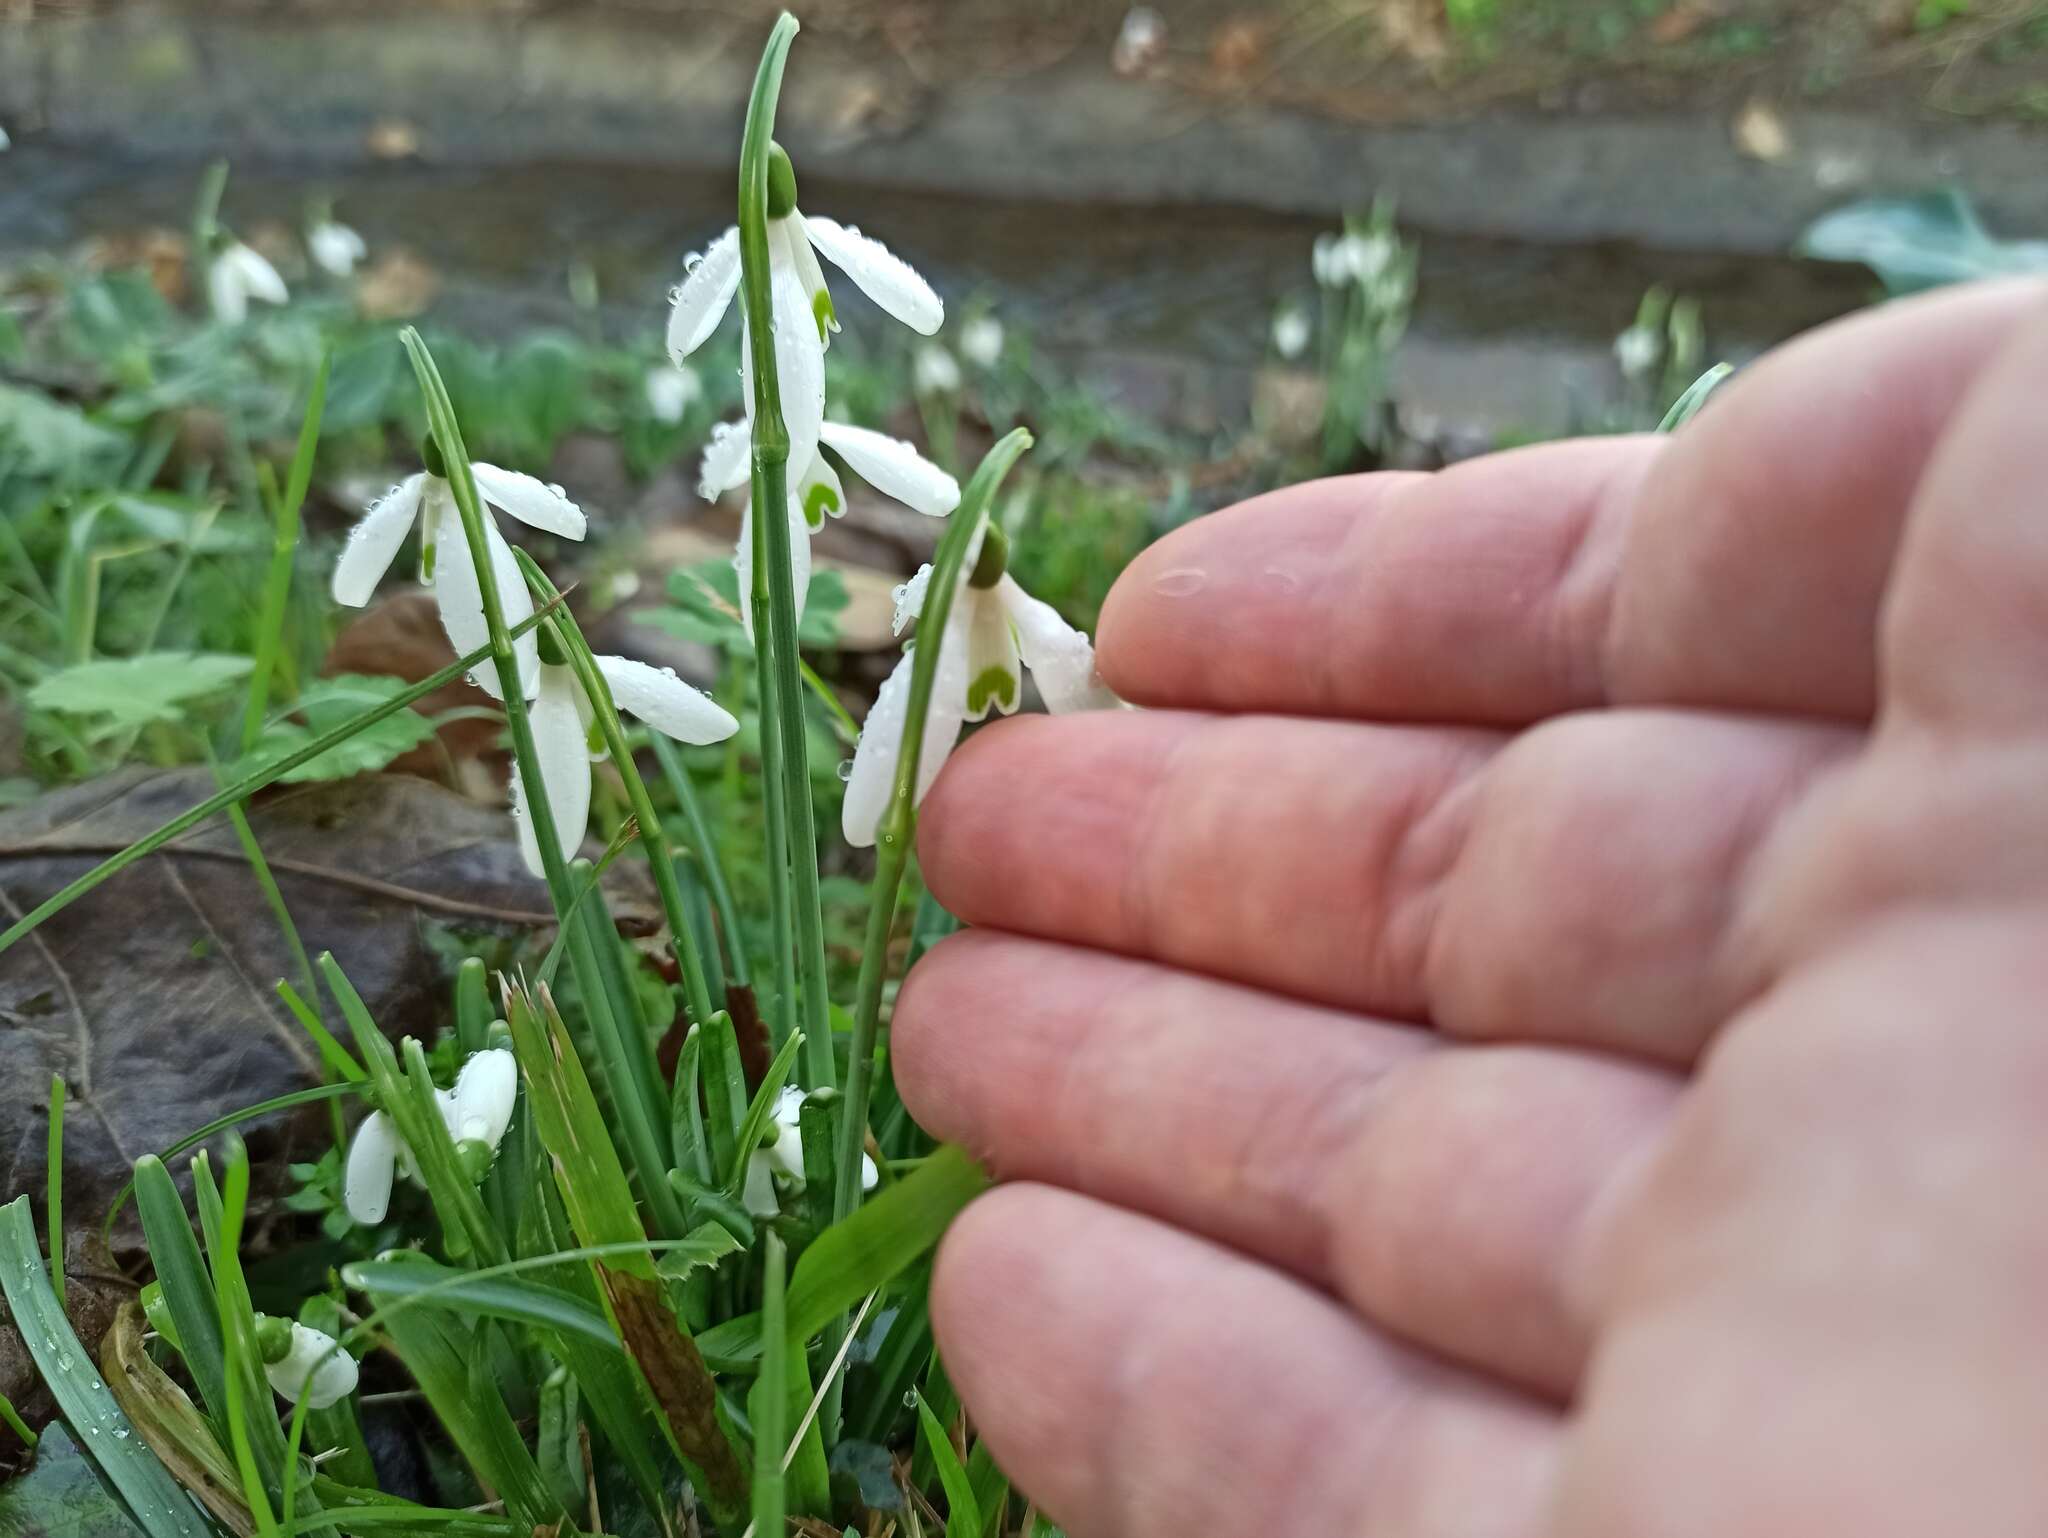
(1739, 564)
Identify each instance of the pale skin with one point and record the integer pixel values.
(1540, 1026)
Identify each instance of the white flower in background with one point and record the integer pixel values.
(565, 744)
(671, 392)
(981, 341)
(476, 1113)
(303, 1350)
(5, 142)
(1351, 258)
(888, 464)
(335, 248)
(933, 371)
(994, 631)
(1139, 41)
(1291, 332)
(444, 552)
(236, 275)
(1637, 350)
(802, 305)
(785, 1157)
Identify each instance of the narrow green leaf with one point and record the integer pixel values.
(768, 1403)
(182, 1274)
(748, 1137)
(705, 1245)
(55, 1199)
(865, 1252)
(512, 1299)
(963, 1511)
(991, 1488)
(725, 1094)
(159, 1506)
(169, 1422)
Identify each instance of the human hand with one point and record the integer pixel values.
(1541, 1026)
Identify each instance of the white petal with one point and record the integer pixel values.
(759, 1194)
(258, 278)
(665, 702)
(909, 598)
(799, 563)
(312, 1351)
(870, 1177)
(879, 273)
(787, 1151)
(1061, 660)
(875, 757)
(818, 494)
(373, 543)
(799, 355)
(335, 248)
(701, 300)
(533, 502)
(894, 468)
(485, 1091)
(461, 600)
(727, 459)
(805, 261)
(563, 752)
(366, 1181)
(995, 671)
(226, 293)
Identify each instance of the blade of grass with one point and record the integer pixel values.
(705, 851)
(768, 1403)
(277, 582)
(161, 1508)
(864, 1253)
(243, 788)
(11, 1419)
(55, 1198)
(496, 1297)
(187, 1287)
(963, 1511)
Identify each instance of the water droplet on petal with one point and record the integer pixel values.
(845, 770)
(693, 261)
(1182, 582)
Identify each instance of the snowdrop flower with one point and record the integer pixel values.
(802, 306)
(671, 392)
(993, 632)
(235, 276)
(1636, 350)
(933, 371)
(565, 743)
(1350, 258)
(476, 1113)
(981, 341)
(785, 1157)
(1139, 41)
(888, 464)
(335, 248)
(1290, 333)
(5, 142)
(292, 1350)
(444, 552)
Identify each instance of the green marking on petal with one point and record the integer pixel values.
(819, 500)
(427, 561)
(823, 313)
(995, 684)
(593, 740)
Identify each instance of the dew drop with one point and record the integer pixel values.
(64, 1363)
(693, 261)
(1182, 582)
(845, 770)
(668, 672)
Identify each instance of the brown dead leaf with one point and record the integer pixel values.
(401, 637)
(678, 1377)
(1238, 48)
(1760, 133)
(396, 286)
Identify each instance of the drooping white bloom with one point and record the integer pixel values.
(981, 341)
(1636, 351)
(332, 1369)
(933, 371)
(890, 465)
(5, 142)
(804, 318)
(671, 392)
(1290, 333)
(1351, 258)
(994, 631)
(477, 1110)
(785, 1157)
(335, 248)
(1139, 41)
(236, 275)
(565, 745)
(445, 562)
